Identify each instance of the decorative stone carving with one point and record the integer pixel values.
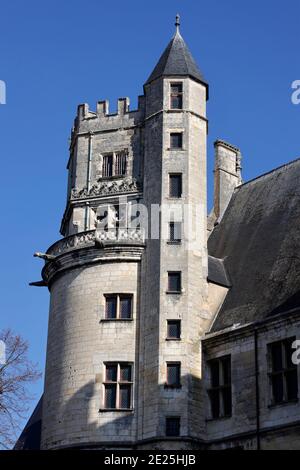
(84, 239)
(104, 188)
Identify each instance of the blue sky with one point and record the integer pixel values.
(55, 55)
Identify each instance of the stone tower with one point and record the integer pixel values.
(128, 282)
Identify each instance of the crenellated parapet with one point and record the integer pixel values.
(101, 119)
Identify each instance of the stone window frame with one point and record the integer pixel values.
(286, 368)
(118, 296)
(114, 154)
(173, 338)
(118, 383)
(176, 132)
(178, 384)
(178, 175)
(220, 388)
(174, 241)
(180, 280)
(177, 94)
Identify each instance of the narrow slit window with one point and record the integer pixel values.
(173, 374)
(176, 95)
(107, 169)
(121, 163)
(175, 185)
(175, 232)
(283, 373)
(220, 387)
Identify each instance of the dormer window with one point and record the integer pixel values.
(176, 95)
(114, 164)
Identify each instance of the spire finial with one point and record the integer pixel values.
(177, 22)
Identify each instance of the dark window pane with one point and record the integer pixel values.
(172, 427)
(125, 373)
(120, 164)
(110, 396)
(107, 169)
(227, 405)
(176, 96)
(176, 102)
(173, 375)
(214, 396)
(175, 231)
(111, 373)
(226, 371)
(174, 282)
(289, 350)
(125, 396)
(291, 384)
(176, 140)
(174, 329)
(125, 307)
(277, 388)
(276, 350)
(176, 88)
(111, 307)
(175, 185)
(214, 373)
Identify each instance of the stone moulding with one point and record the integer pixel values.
(104, 188)
(89, 238)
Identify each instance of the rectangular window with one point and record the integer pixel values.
(220, 387)
(176, 95)
(173, 426)
(118, 386)
(118, 306)
(174, 282)
(173, 374)
(175, 185)
(115, 164)
(173, 329)
(283, 373)
(120, 163)
(175, 232)
(111, 307)
(125, 306)
(176, 140)
(107, 168)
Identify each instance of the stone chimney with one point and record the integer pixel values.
(227, 175)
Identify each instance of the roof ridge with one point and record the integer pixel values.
(268, 172)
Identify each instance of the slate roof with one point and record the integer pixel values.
(177, 60)
(259, 240)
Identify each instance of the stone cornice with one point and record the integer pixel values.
(109, 252)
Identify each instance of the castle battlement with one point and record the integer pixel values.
(102, 110)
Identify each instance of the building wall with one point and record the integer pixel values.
(79, 343)
(279, 425)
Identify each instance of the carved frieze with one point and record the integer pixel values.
(104, 188)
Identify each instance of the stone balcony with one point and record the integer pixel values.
(99, 238)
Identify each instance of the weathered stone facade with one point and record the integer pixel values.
(118, 161)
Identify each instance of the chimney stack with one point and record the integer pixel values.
(227, 175)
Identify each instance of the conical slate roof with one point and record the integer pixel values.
(177, 60)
